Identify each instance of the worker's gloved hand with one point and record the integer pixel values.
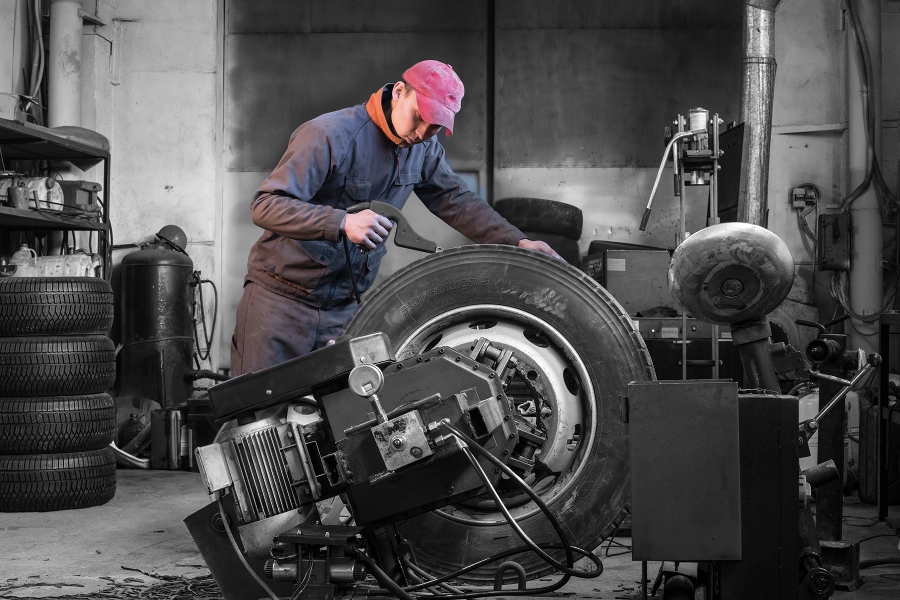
(366, 229)
(540, 247)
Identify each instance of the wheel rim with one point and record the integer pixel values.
(566, 386)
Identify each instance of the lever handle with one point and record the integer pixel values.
(405, 236)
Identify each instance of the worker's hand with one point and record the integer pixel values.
(540, 247)
(366, 229)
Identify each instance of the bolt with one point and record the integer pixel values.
(268, 392)
(512, 436)
(416, 452)
(732, 287)
(418, 359)
(457, 359)
(475, 368)
(506, 418)
(449, 490)
(505, 452)
(440, 350)
(819, 583)
(398, 442)
(496, 471)
(362, 359)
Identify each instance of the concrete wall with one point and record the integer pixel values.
(154, 85)
(150, 86)
(809, 136)
(14, 51)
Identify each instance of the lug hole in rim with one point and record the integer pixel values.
(536, 338)
(434, 342)
(571, 381)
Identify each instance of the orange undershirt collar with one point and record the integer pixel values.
(376, 113)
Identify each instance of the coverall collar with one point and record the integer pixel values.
(376, 113)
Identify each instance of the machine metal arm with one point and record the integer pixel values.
(809, 427)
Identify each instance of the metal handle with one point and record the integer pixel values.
(662, 166)
(809, 427)
(405, 236)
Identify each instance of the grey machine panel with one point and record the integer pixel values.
(685, 470)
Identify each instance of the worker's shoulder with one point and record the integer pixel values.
(343, 124)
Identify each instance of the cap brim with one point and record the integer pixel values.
(435, 113)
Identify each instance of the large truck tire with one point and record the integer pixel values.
(55, 306)
(45, 482)
(44, 425)
(545, 216)
(56, 365)
(578, 347)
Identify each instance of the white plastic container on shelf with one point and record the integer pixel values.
(77, 264)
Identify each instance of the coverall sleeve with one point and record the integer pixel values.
(282, 203)
(448, 196)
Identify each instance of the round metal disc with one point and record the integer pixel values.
(731, 273)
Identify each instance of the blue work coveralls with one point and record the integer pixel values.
(297, 292)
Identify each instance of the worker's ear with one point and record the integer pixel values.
(398, 90)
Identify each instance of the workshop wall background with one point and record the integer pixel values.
(171, 84)
(149, 85)
(582, 93)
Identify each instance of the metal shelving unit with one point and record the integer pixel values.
(20, 141)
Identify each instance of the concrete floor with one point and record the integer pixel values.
(71, 553)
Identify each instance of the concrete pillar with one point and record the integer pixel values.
(64, 64)
(865, 213)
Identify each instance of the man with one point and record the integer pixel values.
(298, 294)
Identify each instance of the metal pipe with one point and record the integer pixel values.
(865, 212)
(64, 64)
(757, 88)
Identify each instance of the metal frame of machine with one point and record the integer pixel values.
(350, 420)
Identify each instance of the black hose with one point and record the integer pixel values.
(383, 578)
(209, 334)
(537, 500)
(350, 269)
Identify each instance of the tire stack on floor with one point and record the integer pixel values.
(557, 223)
(56, 422)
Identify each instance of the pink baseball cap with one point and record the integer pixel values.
(439, 92)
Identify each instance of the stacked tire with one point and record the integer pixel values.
(557, 223)
(56, 421)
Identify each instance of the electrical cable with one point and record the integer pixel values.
(567, 569)
(306, 577)
(240, 554)
(411, 575)
(383, 578)
(500, 556)
(210, 333)
(350, 269)
(416, 569)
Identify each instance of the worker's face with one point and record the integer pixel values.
(405, 117)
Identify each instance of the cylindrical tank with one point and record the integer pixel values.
(156, 324)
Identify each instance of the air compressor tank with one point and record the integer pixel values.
(156, 323)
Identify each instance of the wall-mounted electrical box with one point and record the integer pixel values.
(835, 242)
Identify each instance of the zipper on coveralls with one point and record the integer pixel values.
(395, 169)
